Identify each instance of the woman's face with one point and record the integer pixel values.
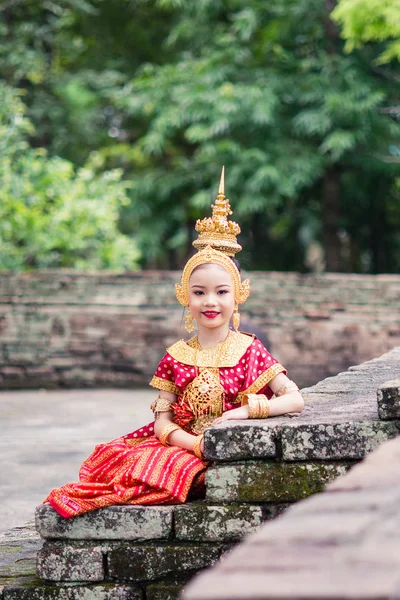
(211, 296)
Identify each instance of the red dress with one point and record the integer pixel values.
(136, 468)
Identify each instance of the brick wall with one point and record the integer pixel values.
(62, 328)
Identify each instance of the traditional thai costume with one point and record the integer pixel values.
(138, 468)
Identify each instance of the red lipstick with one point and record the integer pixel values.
(210, 314)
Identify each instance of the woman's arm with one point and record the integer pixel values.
(176, 438)
(287, 403)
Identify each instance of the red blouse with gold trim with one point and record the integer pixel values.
(245, 367)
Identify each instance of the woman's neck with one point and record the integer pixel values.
(208, 338)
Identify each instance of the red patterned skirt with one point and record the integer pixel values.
(131, 470)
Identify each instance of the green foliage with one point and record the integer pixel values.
(52, 215)
(364, 21)
(162, 93)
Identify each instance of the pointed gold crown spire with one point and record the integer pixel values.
(217, 231)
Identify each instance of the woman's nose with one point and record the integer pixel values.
(210, 300)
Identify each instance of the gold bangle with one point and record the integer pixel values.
(264, 408)
(286, 388)
(258, 406)
(168, 429)
(196, 446)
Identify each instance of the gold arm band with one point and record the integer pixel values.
(161, 404)
(166, 432)
(196, 446)
(286, 388)
(258, 405)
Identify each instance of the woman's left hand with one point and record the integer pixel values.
(236, 413)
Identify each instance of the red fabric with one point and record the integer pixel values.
(118, 473)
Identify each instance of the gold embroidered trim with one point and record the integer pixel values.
(164, 384)
(230, 351)
(262, 380)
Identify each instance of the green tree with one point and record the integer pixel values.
(51, 214)
(167, 91)
(364, 21)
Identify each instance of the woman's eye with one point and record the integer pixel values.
(198, 293)
(222, 291)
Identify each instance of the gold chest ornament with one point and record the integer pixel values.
(204, 395)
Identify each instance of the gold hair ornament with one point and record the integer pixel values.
(216, 244)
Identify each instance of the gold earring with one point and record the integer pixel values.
(189, 322)
(236, 318)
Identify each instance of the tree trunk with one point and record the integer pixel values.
(330, 219)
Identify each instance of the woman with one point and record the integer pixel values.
(218, 375)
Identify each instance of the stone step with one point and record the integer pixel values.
(35, 590)
(70, 562)
(194, 521)
(389, 400)
(269, 482)
(350, 440)
(139, 523)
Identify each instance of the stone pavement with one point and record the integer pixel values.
(45, 435)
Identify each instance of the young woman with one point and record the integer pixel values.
(218, 375)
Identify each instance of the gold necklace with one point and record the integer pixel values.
(205, 394)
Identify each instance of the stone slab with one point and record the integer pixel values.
(237, 441)
(216, 523)
(388, 397)
(335, 441)
(335, 583)
(269, 482)
(139, 523)
(61, 562)
(34, 590)
(149, 563)
(342, 544)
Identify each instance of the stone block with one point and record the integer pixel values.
(61, 562)
(236, 441)
(137, 523)
(336, 441)
(388, 397)
(164, 591)
(149, 563)
(34, 590)
(269, 482)
(216, 523)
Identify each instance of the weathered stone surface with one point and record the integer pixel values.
(149, 563)
(216, 523)
(164, 591)
(137, 523)
(269, 482)
(253, 439)
(356, 318)
(34, 590)
(58, 561)
(18, 548)
(388, 397)
(336, 441)
(342, 544)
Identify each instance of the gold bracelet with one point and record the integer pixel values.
(258, 406)
(161, 404)
(196, 446)
(264, 408)
(168, 429)
(286, 388)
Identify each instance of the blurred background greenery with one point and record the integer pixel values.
(117, 115)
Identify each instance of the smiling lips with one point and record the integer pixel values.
(210, 314)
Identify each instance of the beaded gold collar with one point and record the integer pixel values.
(228, 353)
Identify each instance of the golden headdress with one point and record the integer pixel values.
(216, 243)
